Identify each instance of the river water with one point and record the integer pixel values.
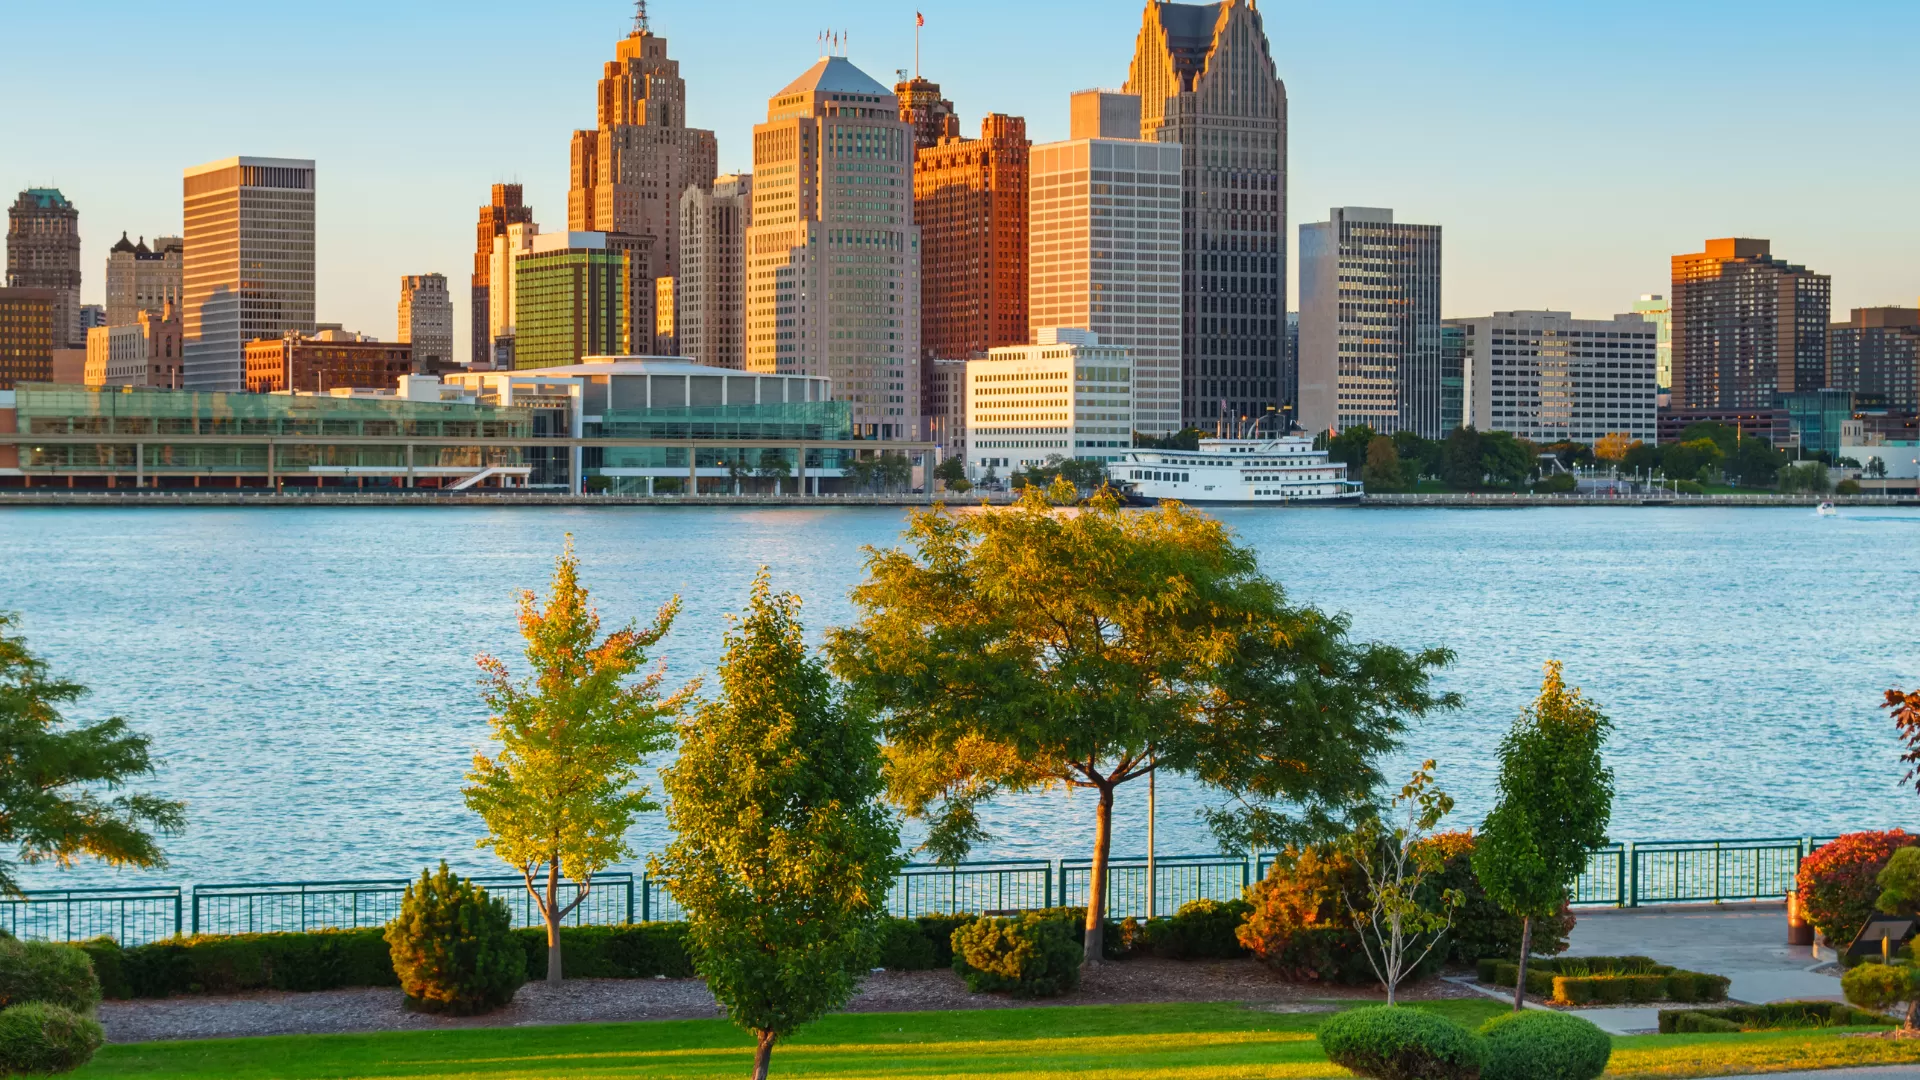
(308, 675)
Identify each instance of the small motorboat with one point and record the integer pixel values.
(1826, 509)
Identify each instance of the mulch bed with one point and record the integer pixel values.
(595, 1000)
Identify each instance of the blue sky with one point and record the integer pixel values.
(1568, 149)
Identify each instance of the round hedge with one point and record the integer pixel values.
(453, 947)
(1393, 1042)
(1541, 1045)
(47, 971)
(42, 1038)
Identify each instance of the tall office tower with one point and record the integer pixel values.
(1876, 357)
(28, 318)
(571, 300)
(1453, 375)
(833, 256)
(1206, 80)
(43, 252)
(248, 269)
(931, 115)
(1746, 327)
(1655, 309)
(1547, 376)
(629, 172)
(507, 249)
(1104, 242)
(143, 278)
(426, 321)
(970, 201)
(713, 280)
(1370, 323)
(504, 210)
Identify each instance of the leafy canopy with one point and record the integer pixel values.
(1556, 798)
(573, 734)
(57, 781)
(782, 852)
(1034, 647)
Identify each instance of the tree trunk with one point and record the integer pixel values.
(1520, 979)
(1913, 1015)
(553, 921)
(1096, 936)
(763, 1054)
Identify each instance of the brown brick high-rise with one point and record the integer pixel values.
(505, 209)
(1746, 327)
(970, 201)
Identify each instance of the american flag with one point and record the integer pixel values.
(919, 19)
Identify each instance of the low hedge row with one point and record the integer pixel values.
(1776, 1016)
(1606, 980)
(331, 959)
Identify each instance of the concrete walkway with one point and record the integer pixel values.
(1745, 942)
(1887, 1072)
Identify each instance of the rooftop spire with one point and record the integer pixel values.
(640, 18)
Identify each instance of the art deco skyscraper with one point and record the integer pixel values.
(713, 271)
(505, 209)
(1370, 346)
(1746, 327)
(248, 272)
(43, 252)
(1207, 81)
(931, 115)
(833, 285)
(143, 278)
(426, 321)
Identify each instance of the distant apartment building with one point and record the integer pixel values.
(1657, 310)
(1370, 323)
(325, 361)
(1548, 377)
(1746, 327)
(1066, 396)
(248, 271)
(970, 201)
(28, 334)
(146, 352)
(143, 277)
(426, 322)
(43, 252)
(504, 210)
(1206, 81)
(1875, 356)
(1104, 236)
(713, 285)
(570, 300)
(834, 259)
(930, 116)
(943, 406)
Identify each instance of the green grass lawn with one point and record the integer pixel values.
(1174, 1042)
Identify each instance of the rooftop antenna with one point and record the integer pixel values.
(640, 18)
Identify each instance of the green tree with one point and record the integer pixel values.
(773, 466)
(56, 780)
(1460, 461)
(573, 735)
(1504, 460)
(1084, 474)
(1399, 918)
(1383, 470)
(1350, 446)
(895, 471)
(1184, 439)
(1876, 468)
(1030, 648)
(1642, 458)
(1724, 436)
(1755, 462)
(860, 473)
(1556, 797)
(953, 473)
(1809, 476)
(1418, 457)
(1691, 460)
(782, 851)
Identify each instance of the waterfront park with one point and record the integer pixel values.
(825, 901)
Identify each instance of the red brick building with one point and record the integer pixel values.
(970, 201)
(325, 361)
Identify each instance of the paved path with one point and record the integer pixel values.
(1745, 942)
(1884, 1072)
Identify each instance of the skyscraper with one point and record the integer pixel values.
(1876, 357)
(43, 252)
(505, 209)
(629, 171)
(426, 321)
(1370, 323)
(142, 278)
(571, 299)
(1104, 237)
(1746, 327)
(507, 248)
(833, 286)
(713, 282)
(970, 202)
(248, 269)
(931, 115)
(1206, 81)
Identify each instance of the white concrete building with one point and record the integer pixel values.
(1069, 396)
(518, 241)
(1105, 238)
(1547, 376)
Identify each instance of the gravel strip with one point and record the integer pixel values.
(579, 1001)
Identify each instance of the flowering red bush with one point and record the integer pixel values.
(1836, 883)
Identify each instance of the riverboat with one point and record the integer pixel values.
(1250, 472)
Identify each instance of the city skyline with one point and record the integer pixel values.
(1488, 117)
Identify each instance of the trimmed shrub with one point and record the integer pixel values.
(1539, 1045)
(48, 972)
(1777, 1016)
(903, 947)
(1879, 986)
(1035, 955)
(1481, 929)
(1200, 930)
(636, 951)
(1398, 1043)
(1837, 883)
(453, 947)
(939, 929)
(39, 1037)
(1606, 980)
(1298, 923)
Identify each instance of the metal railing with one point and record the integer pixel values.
(1618, 875)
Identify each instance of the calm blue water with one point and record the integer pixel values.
(308, 675)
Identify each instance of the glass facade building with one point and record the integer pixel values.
(569, 300)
